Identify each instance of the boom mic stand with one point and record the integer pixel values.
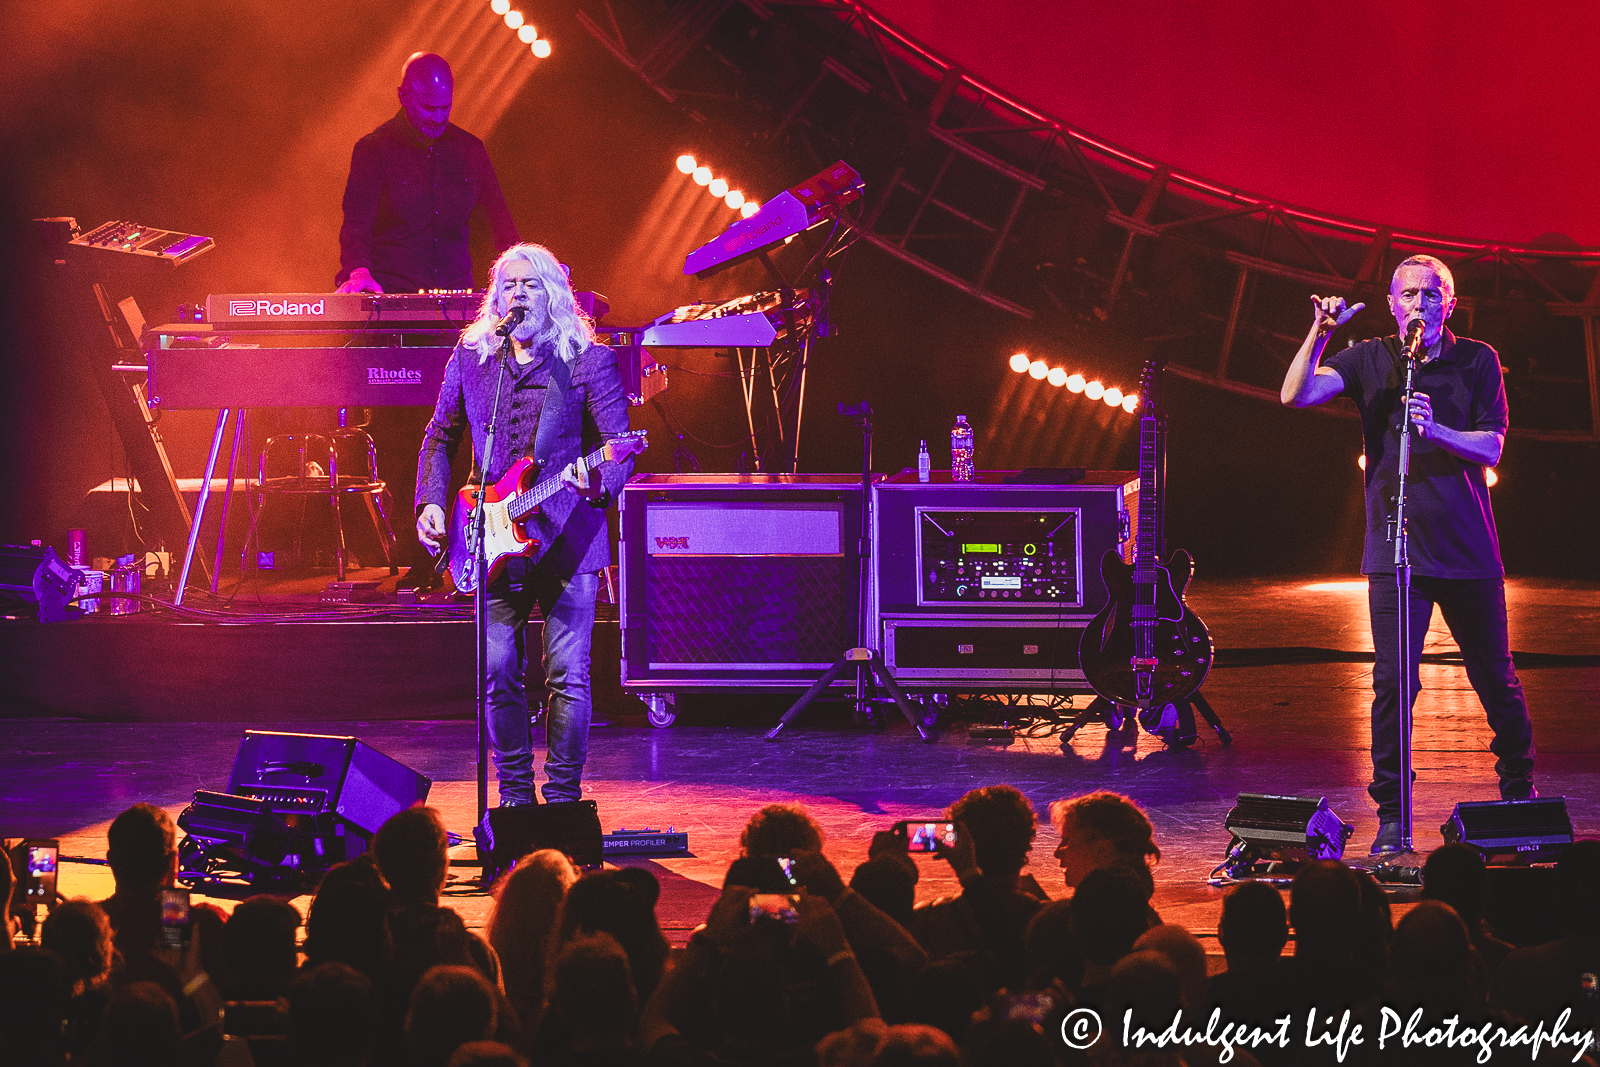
(1402, 573)
(867, 661)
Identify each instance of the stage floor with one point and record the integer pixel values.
(1290, 682)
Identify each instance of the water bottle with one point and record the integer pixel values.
(961, 467)
(924, 463)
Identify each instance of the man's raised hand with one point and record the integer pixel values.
(1332, 312)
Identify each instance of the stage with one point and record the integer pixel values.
(1290, 682)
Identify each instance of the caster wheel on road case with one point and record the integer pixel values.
(660, 709)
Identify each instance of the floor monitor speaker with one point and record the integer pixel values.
(1512, 831)
(508, 834)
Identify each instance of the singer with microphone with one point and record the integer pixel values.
(1457, 419)
(551, 394)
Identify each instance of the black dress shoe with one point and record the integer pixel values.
(1388, 839)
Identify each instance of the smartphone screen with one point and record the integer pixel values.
(776, 906)
(1032, 1007)
(926, 836)
(175, 918)
(41, 883)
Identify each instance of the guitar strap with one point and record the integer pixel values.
(555, 402)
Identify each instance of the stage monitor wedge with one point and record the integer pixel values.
(1512, 831)
(313, 774)
(507, 834)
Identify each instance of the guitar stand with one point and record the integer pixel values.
(1173, 723)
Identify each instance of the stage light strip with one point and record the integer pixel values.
(717, 187)
(1038, 370)
(515, 20)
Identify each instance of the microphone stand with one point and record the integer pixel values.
(480, 591)
(1402, 573)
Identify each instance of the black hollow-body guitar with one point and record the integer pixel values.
(1146, 649)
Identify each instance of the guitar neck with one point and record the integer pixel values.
(548, 488)
(1146, 551)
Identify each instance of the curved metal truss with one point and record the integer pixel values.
(1026, 213)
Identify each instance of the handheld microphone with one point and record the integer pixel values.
(517, 314)
(1413, 343)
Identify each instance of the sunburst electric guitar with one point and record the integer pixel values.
(1146, 649)
(514, 521)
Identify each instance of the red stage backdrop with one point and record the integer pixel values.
(1470, 119)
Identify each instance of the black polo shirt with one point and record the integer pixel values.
(408, 205)
(1449, 519)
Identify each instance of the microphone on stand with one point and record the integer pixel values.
(517, 314)
(1413, 342)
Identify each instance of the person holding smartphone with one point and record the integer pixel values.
(142, 850)
(787, 832)
(995, 827)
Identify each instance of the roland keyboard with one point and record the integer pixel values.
(343, 311)
(450, 309)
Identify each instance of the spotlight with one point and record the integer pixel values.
(1019, 362)
(750, 208)
(1075, 383)
(1094, 390)
(702, 175)
(718, 188)
(1037, 370)
(514, 19)
(686, 164)
(1113, 397)
(499, 7)
(1057, 377)
(1491, 477)
(1361, 461)
(527, 34)
(734, 199)
(541, 48)
(1130, 402)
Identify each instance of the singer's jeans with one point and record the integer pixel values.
(567, 608)
(1475, 612)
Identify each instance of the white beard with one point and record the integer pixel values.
(527, 329)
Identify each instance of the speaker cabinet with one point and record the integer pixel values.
(737, 580)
